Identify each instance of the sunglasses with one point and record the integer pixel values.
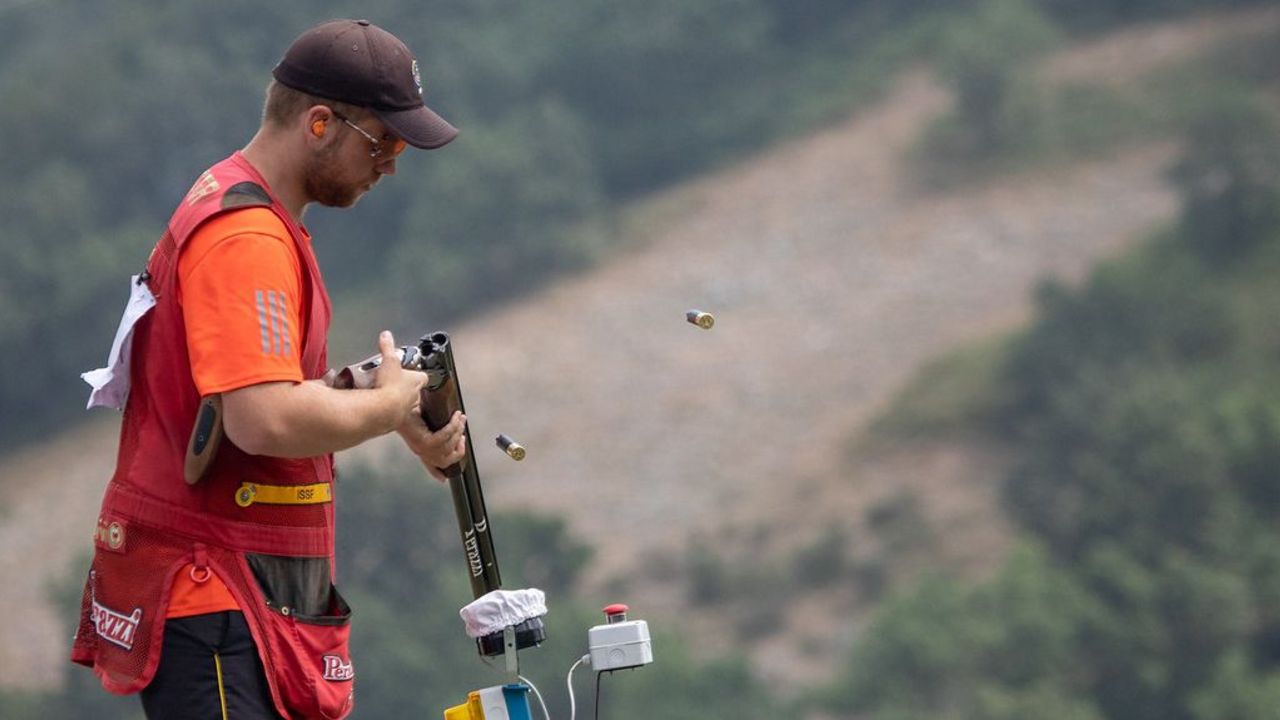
(379, 148)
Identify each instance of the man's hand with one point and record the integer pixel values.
(438, 449)
(401, 385)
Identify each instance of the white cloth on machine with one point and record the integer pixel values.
(500, 609)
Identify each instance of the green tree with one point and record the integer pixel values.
(1239, 691)
(659, 99)
(1096, 14)
(547, 186)
(944, 650)
(1143, 410)
(1230, 179)
(985, 55)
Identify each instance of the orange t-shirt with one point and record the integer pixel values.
(240, 287)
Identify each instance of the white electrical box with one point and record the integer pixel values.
(619, 643)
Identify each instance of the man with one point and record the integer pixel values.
(214, 597)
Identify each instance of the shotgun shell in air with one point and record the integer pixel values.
(701, 319)
(510, 447)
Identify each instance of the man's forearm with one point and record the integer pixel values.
(306, 419)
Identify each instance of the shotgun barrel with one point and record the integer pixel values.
(441, 397)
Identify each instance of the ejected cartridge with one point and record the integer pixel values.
(510, 447)
(703, 320)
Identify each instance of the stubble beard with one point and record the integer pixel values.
(323, 182)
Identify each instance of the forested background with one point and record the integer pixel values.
(1143, 408)
(1143, 415)
(569, 109)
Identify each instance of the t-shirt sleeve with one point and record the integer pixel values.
(240, 285)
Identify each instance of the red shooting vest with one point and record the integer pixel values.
(152, 523)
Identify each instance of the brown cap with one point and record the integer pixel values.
(356, 62)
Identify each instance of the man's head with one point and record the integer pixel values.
(351, 95)
(362, 65)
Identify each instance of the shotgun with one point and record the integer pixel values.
(440, 398)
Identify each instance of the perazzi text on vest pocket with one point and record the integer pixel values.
(307, 627)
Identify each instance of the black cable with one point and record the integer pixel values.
(597, 713)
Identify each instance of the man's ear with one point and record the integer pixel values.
(317, 120)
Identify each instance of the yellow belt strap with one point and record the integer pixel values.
(250, 493)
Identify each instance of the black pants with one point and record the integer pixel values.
(209, 670)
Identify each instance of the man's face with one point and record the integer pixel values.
(340, 173)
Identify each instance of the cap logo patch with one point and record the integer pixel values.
(417, 76)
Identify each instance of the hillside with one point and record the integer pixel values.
(832, 278)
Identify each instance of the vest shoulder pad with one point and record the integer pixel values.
(245, 194)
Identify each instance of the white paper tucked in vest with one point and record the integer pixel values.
(111, 383)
